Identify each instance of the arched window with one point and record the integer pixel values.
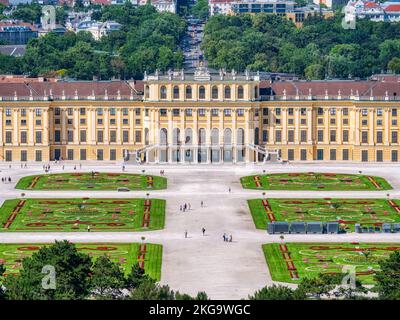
(188, 136)
(240, 136)
(163, 92)
(147, 92)
(163, 136)
(176, 92)
(227, 92)
(240, 93)
(214, 92)
(228, 136)
(175, 136)
(202, 92)
(202, 136)
(188, 92)
(214, 136)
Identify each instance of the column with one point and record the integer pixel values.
(119, 125)
(357, 126)
(284, 125)
(371, 126)
(296, 125)
(170, 135)
(132, 126)
(106, 113)
(63, 126)
(76, 125)
(1, 127)
(386, 125)
(339, 126)
(47, 127)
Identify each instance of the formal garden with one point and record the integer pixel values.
(348, 212)
(291, 262)
(148, 256)
(92, 181)
(314, 181)
(79, 214)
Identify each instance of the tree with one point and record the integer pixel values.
(314, 72)
(274, 292)
(72, 271)
(150, 290)
(135, 277)
(388, 278)
(107, 279)
(200, 9)
(394, 65)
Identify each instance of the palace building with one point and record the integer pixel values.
(200, 116)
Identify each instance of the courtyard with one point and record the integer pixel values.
(148, 256)
(348, 212)
(78, 214)
(202, 263)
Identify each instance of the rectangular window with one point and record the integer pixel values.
(333, 136)
(82, 136)
(125, 111)
(303, 135)
(137, 111)
(175, 112)
(189, 112)
(8, 155)
(100, 137)
(38, 136)
(379, 112)
(57, 111)
(278, 136)
(379, 155)
(379, 137)
(57, 135)
(394, 137)
(265, 135)
(345, 111)
(290, 154)
(240, 112)
(277, 112)
(364, 112)
(70, 134)
(345, 135)
(82, 154)
(394, 112)
(112, 112)
(23, 137)
(163, 112)
(364, 137)
(70, 154)
(320, 111)
(113, 136)
(38, 122)
(291, 136)
(138, 136)
(100, 155)
(290, 111)
(202, 112)
(332, 154)
(214, 112)
(320, 135)
(125, 136)
(38, 112)
(303, 154)
(100, 112)
(265, 111)
(82, 111)
(38, 155)
(364, 155)
(394, 155)
(8, 112)
(8, 137)
(24, 155)
(320, 154)
(227, 112)
(113, 154)
(345, 154)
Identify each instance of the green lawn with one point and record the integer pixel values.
(368, 212)
(76, 214)
(87, 181)
(310, 259)
(314, 181)
(125, 254)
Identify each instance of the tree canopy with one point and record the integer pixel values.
(321, 48)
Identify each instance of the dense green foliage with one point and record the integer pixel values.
(77, 276)
(200, 9)
(388, 279)
(321, 48)
(148, 40)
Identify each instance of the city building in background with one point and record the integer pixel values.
(200, 116)
(17, 32)
(375, 11)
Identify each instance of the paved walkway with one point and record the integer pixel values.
(224, 270)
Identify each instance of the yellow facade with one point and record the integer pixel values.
(221, 120)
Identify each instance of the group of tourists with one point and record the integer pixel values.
(5, 179)
(162, 172)
(227, 238)
(185, 207)
(24, 166)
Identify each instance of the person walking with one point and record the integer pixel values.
(186, 234)
(9, 179)
(180, 208)
(203, 230)
(230, 238)
(202, 203)
(229, 189)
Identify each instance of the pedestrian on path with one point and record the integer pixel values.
(229, 189)
(202, 203)
(180, 208)
(203, 230)
(230, 238)
(186, 234)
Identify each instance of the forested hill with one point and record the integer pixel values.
(148, 40)
(321, 48)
